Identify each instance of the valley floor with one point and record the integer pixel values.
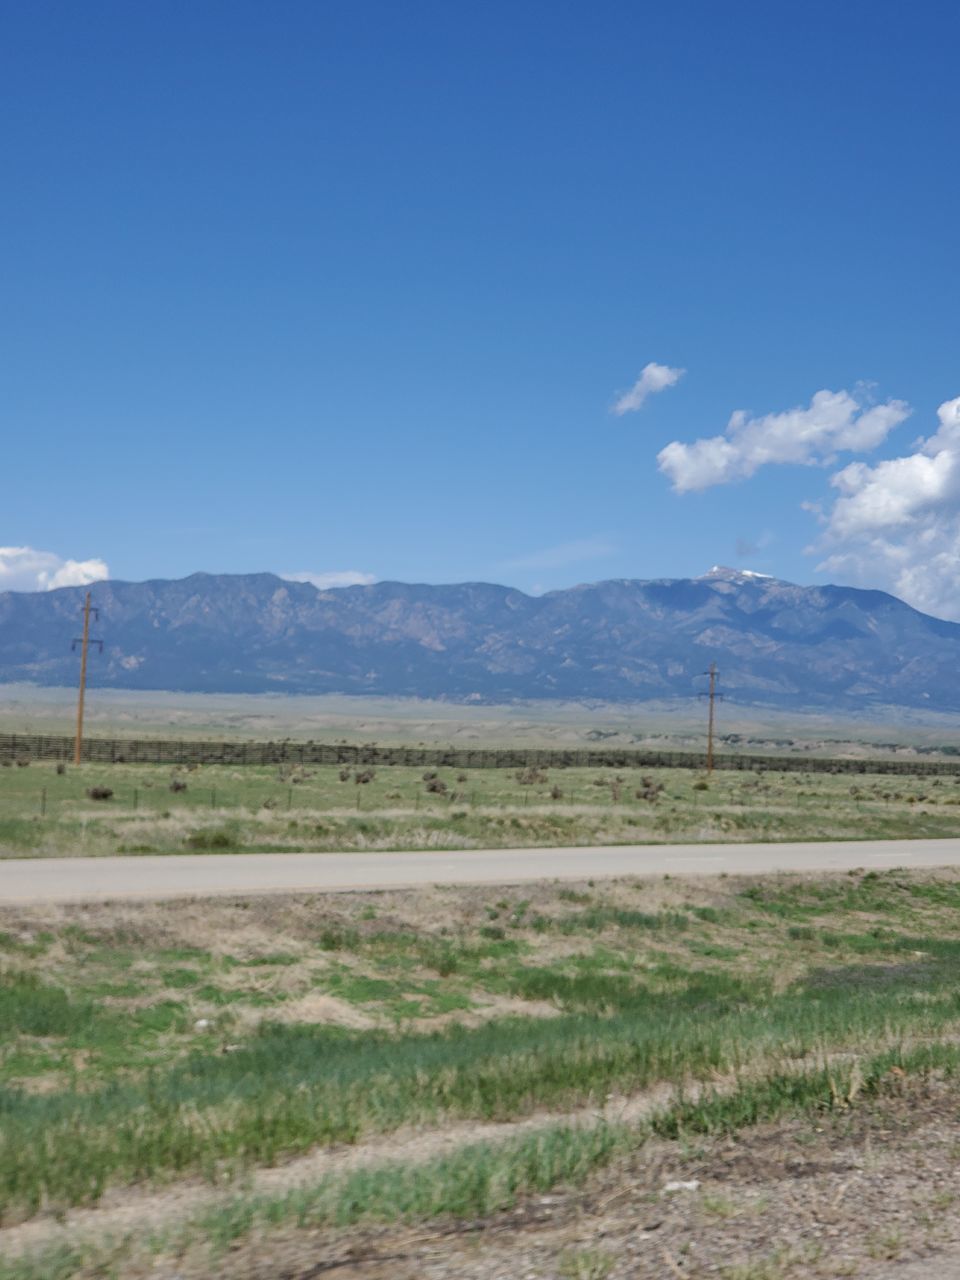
(51, 810)
(678, 723)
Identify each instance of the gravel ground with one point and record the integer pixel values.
(872, 1192)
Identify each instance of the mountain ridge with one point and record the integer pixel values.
(624, 639)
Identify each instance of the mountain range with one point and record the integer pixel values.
(774, 642)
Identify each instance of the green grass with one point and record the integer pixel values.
(34, 1008)
(290, 1088)
(476, 1181)
(227, 810)
(481, 1179)
(597, 918)
(160, 1058)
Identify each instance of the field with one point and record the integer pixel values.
(464, 1082)
(159, 809)
(750, 1079)
(678, 724)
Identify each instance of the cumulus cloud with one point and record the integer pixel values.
(896, 524)
(332, 578)
(566, 553)
(653, 378)
(834, 422)
(26, 569)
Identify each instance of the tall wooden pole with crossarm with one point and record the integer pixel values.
(84, 643)
(712, 695)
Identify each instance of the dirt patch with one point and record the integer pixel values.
(506, 1007)
(317, 1007)
(38, 1085)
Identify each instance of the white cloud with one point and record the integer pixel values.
(897, 524)
(834, 422)
(566, 553)
(653, 378)
(26, 569)
(333, 578)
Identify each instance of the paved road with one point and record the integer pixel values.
(77, 879)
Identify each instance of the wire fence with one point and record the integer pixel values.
(23, 747)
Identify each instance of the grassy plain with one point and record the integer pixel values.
(216, 808)
(670, 724)
(156, 809)
(202, 1088)
(179, 1066)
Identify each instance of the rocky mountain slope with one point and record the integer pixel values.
(623, 640)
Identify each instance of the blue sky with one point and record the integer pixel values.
(329, 288)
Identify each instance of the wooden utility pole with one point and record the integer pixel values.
(712, 697)
(84, 646)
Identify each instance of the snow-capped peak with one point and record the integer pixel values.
(736, 575)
